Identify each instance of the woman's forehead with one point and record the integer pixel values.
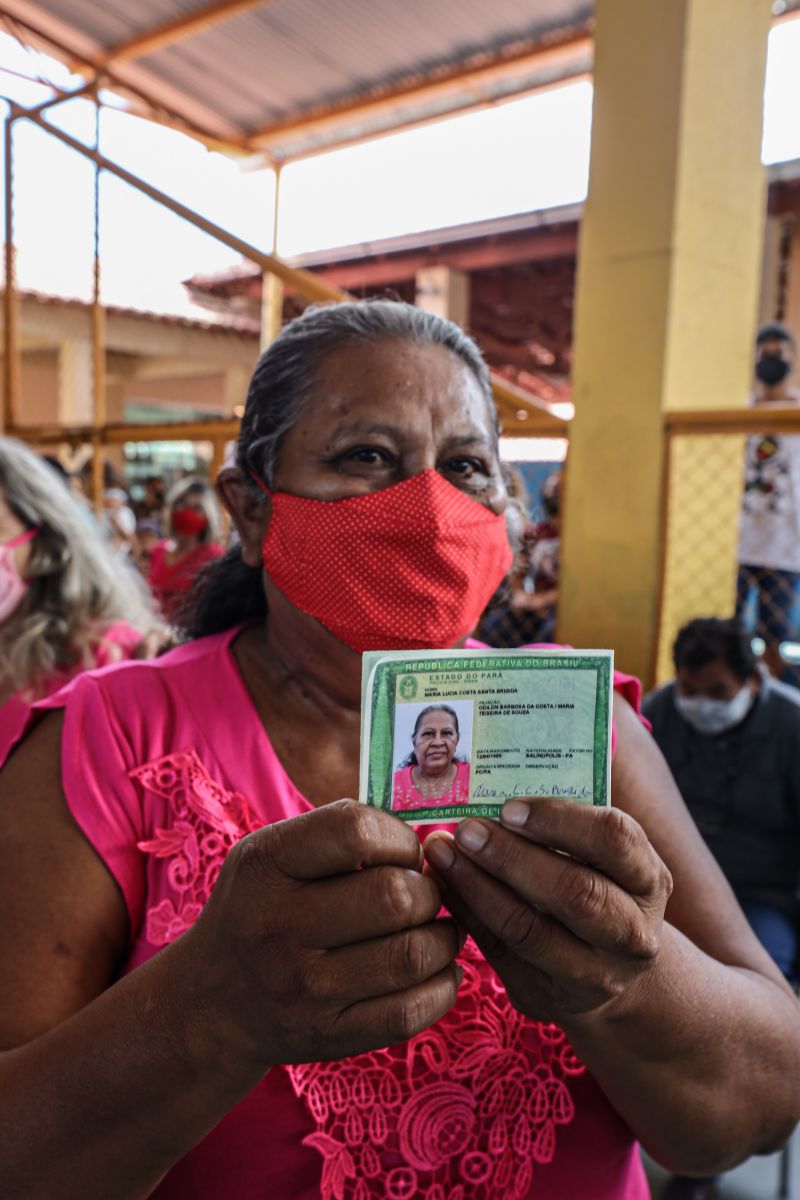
(437, 720)
(416, 384)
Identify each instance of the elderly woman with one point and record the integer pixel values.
(65, 604)
(432, 772)
(221, 980)
(195, 529)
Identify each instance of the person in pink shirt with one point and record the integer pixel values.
(65, 605)
(432, 770)
(222, 981)
(195, 529)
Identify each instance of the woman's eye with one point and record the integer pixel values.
(466, 466)
(371, 456)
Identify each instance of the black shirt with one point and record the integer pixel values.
(742, 788)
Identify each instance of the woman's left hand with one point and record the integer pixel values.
(156, 642)
(566, 901)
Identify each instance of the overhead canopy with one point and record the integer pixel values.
(293, 76)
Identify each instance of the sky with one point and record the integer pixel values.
(462, 169)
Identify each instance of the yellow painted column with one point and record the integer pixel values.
(271, 309)
(271, 286)
(667, 293)
(75, 381)
(445, 292)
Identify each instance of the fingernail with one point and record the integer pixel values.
(439, 852)
(514, 812)
(472, 835)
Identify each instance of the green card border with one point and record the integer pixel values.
(383, 704)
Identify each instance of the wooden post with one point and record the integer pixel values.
(100, 410)
(444, 291)
(11, 348)
(271, 285)
(218, 445)
(98, 480)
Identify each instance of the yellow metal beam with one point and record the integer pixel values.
(221, 430)
(740, 420)
(306, 283)
(118, 433)
(518, 403)
(521, 414)
(708, 421)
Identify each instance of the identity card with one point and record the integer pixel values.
(453, 734)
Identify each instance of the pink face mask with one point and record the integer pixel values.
(12, 586)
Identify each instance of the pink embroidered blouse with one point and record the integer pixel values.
(114, 644)
(406, 795)
(164, 773)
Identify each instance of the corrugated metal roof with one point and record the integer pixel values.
(326, 66)
(284, 58)
(295, 55)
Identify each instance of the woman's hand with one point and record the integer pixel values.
(566, 902)
(156, 642)
(320, 940)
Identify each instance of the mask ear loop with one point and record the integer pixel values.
(260, 483)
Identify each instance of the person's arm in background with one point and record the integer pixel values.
(793, 799)
(684, 1020)
(536, 602)
(319, 940)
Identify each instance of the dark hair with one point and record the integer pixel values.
(230, 592)
(57, 466)
(411, 761)
(708, 639)
(774, 332)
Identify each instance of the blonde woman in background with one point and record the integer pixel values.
(65, 605)
(194, 525)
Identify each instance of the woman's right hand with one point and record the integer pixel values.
(320, 940)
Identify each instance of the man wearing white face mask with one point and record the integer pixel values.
(731, 736)
(730, 733)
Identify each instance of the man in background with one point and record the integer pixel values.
(769, 535)
(731, 736)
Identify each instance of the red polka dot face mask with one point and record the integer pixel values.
(409, 567)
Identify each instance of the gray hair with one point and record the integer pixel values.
(196, 486)
(77, 587)
(285, 374)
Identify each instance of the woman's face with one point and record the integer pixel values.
(435, 743)
(193, 500)
(188, 516)
(384, 412)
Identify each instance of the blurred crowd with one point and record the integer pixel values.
(81, 588)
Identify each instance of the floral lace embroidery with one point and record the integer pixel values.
(464, 1111)
(207, 820)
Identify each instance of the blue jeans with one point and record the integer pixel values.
(777, 933)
